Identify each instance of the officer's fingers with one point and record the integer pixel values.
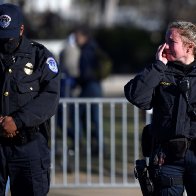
(7, 119)
(11, 135)
(6, 135)
(7, 122)
(2, 118)
(160, 50)
(14, 133)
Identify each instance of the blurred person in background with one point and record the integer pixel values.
(29, 87)
(69, 63)
(88, 81)
(168, 86)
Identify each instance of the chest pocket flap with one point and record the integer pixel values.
(28, 87)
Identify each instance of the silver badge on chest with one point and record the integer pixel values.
(28, 68)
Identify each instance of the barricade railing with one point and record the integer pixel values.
(120, 125)
(73, 161)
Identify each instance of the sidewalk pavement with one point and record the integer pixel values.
(96, 192)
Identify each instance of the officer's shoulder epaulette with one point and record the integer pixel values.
(41, 48)
(34, 43)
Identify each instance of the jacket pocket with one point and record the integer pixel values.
(27, 92)
(28, 87)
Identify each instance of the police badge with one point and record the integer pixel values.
(5, 21)
(28, 68)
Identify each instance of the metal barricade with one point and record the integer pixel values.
(120, 125)
(72, 161)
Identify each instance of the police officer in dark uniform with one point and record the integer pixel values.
(29, 88)
(169, 87)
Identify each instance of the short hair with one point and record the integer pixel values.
(84, 30)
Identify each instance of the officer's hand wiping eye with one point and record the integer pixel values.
(161, 55)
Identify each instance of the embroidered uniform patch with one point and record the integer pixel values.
(166, 83)
(5, 21)
(52, 64)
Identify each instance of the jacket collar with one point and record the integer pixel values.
(25, 47)
(181, 68)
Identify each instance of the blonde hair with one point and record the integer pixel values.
(187, 30)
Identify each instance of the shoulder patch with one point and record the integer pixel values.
(52, 64)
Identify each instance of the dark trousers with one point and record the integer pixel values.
(185, 169)
(28, 167)
(89, 90)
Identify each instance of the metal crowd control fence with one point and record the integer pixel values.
(120, 125)
(72, 162)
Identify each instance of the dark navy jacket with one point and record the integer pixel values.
(90, 84)
(157, 87)
(88, 62)
(29, 85)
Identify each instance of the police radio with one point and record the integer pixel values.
(184, 86)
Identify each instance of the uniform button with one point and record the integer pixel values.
(10, 70)
(6, 93)
(31, 88)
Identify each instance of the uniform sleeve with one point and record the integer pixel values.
(43, 106)
(139, 91)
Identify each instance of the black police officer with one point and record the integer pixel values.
(29, 88)
(169, 87)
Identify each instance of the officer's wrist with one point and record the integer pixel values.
(18, 122)
(160, 65)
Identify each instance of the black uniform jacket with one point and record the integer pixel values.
(157, 87)
(29, 85)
